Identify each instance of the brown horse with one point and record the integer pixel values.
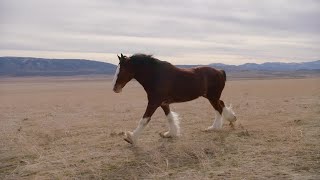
(166, 84)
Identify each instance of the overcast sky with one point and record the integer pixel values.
(179, 31)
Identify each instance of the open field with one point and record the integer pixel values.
(63, 128)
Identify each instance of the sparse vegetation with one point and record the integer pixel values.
(74, 129)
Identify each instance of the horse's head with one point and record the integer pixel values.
(124, 73)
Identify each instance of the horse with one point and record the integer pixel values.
(165, 84)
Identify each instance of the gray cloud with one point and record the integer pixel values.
(215, 31)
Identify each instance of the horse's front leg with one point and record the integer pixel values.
(132, 137)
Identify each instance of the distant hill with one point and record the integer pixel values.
(270, 66)
(25, 66)
(271, 70)
(268, 70)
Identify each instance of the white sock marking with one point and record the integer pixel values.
(142, 123)
(115, 77)
(174, 128)
(228, 114)
(218, 122)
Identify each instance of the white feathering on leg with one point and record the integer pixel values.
(174, 125)
(142, 123)
(133, 136)
(218, 122)
(228, 114)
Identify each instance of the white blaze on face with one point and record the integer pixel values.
(116, 76)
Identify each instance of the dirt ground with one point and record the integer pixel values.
(72, 128)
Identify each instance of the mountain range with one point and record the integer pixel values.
(272, 66)
(25, 66)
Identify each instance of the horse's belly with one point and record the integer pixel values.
(183, 97)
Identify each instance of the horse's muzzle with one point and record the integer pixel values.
(117, 89)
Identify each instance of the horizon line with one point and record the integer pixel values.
(104, 61)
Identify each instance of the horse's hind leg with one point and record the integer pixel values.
(222, 113)
(228, 114)
(218, 122)
(173, 120)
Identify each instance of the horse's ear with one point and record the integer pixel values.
(122, 56)
(119, 57)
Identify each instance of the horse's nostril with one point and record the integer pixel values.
(117, 89)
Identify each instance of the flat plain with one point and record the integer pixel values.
(73, 128)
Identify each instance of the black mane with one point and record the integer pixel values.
(144, 59)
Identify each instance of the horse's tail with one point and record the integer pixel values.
(224, 75)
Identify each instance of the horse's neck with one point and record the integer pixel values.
(145, 76)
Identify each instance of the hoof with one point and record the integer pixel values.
(165, 135)
(234, 119)
(231, 124)
(129, 138)
(211, 128)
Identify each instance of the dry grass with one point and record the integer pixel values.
(73, 129)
